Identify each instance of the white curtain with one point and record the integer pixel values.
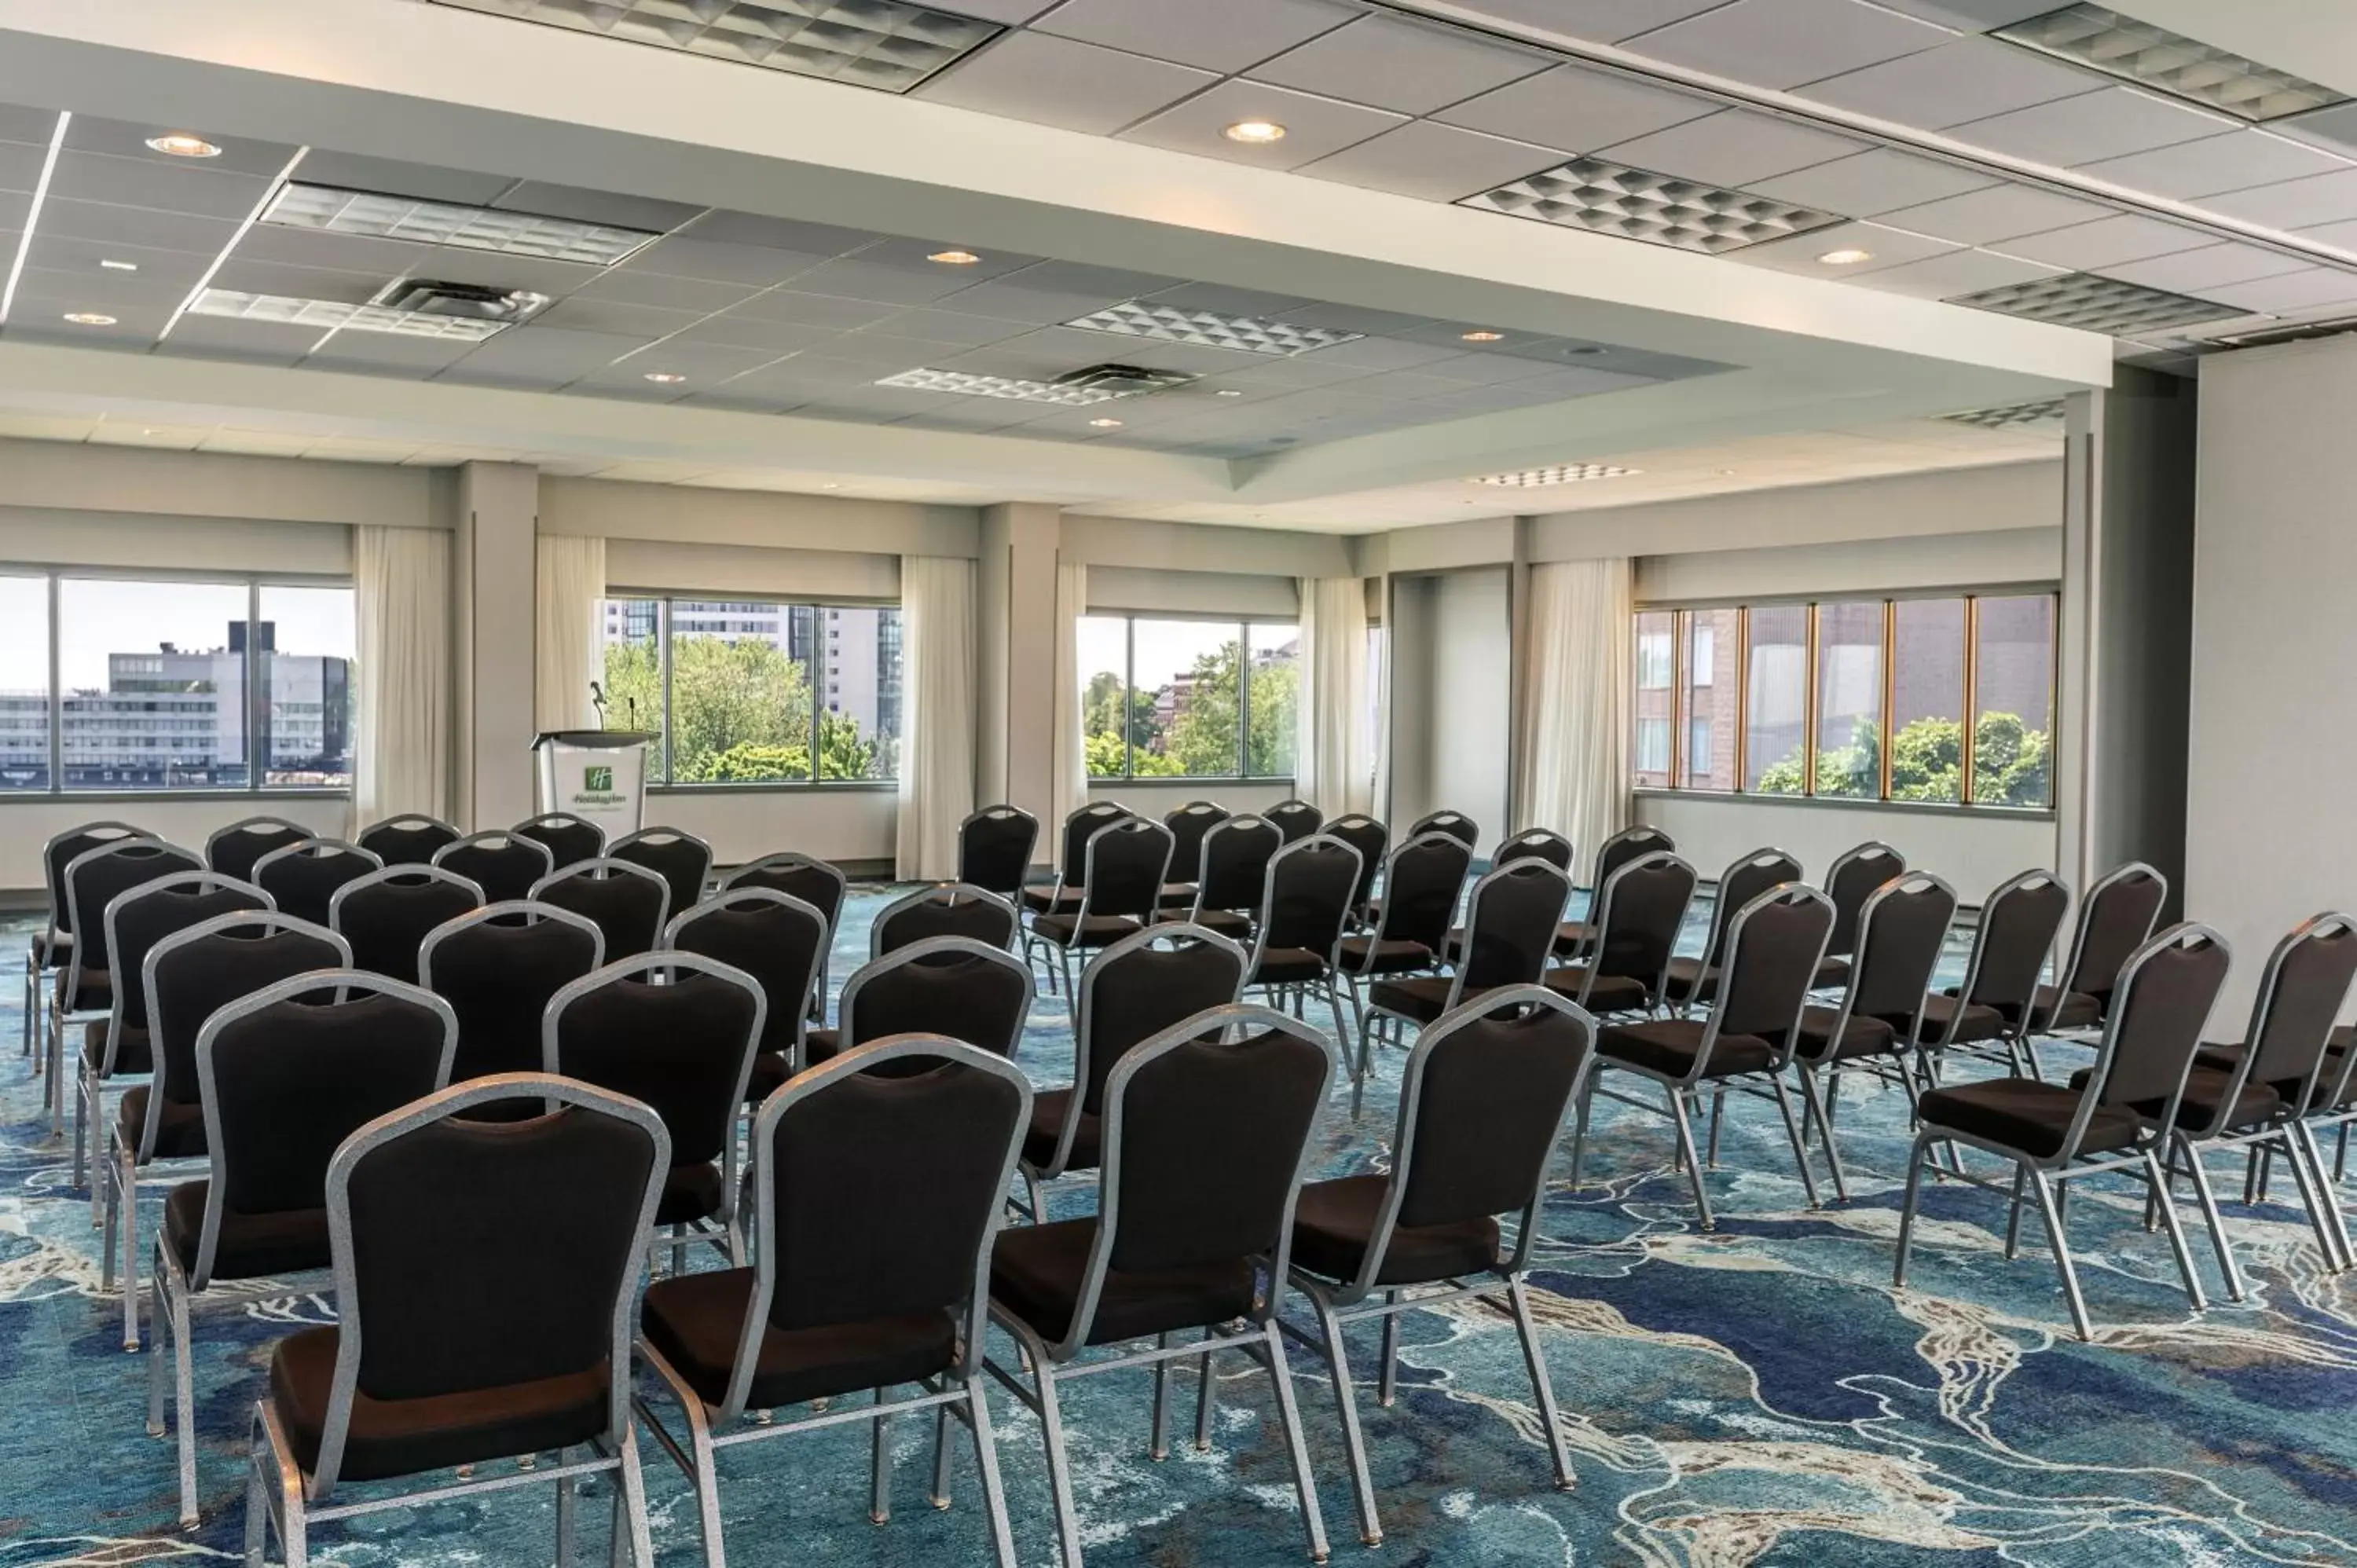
(1383, 736)
(938, 716)
(1575, 763)
(1334, 764)
(1071, 756)
(569, 649)
(401, 581)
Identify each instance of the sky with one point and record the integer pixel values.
(98, 617)
(1165, 648)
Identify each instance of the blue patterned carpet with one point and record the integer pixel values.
(1758, 1395)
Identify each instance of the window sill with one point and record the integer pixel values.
(831, 787)
(60, 797)
(1183, 780)
(1841, 803)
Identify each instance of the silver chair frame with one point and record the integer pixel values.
(797, 861)
(1287, 809)
(561, 818)
(959, 1394)
(297, 832)
(1532, 843)
(279, 1494)
(1235, 822)
(2066, 980)
(174, 1286)
(1257, 1337)
(535, 912)
(1129, 822)
(493, 838)
(1278, 995)
(1644, 833)
(60, 1019)
(1362, 1297)
(2013, 1039)
(658, 834)
(1376, 938)
(410, 870)
(51, 941)
(1719, 937)
(408, 818)
(1110, 811)
(987, 813)
(949, 893)
(1872, 849)
(1431, 822)
(313, 847)
(738, 897)
(1657, 1003)
(603, 869)
(868, 973)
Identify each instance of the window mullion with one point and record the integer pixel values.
(57, 697)
(663, 657)
(1887, 723)
(1742, 698)
(1244, 700)
(1972, 696)
(1128, 695)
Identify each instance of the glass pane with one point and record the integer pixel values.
(23, 683)
(1710, 706)
(1850, 700)
(1776, 710)
(1927, 686)
(306, 642)
(1109, 719)
(2013, 761)
(154, 678)
(859, 674)
(1276, 699)
(634, 693)
(1656, 700)
(740, 693)
(1185, 687)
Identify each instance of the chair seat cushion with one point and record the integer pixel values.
(2025, 1114)
(251, 1246)
(1094, 931)
(1035, 1274)
(131, 1053)
(408, 1437)
(2227, 1057)
(1606, 992)
(818, 1045)
(1048, 901)
(1668, 1047)
(1050, 1110)
(771, 1070)
(695, 1321)
(84, 990)
(1690, 980)
(691, 1192)
(1365, 955)
(1861, 1037)
(1422, 997)
(1831, 971)
(2055, 1009)
(1227, 923)
(1979, 1022)
(1178, 896)
(1572, 936)
(179, 1134)
(2205, 1092)
(1288, 966)
(1334, 1221)
(48, 951)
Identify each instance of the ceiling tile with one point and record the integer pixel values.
(1969, 79)
(2335, 127)
(2308, 290)
(549, 350)
(756, 266)
(395, 177)
(1981, 16)
(160, 186)
(1957, 272)
(2290, 204)
(297, 283)
(125, 139)
(916, 257)
(943, 326)
(1577, 109)
(727, 228)
(1887, 248)
(382, 354)
(135, 226)
(855, 277)
(2194, 272)
(597, 206)
(1008, 11)
(705, 365)
(2342, 236)
(1438, 163)
(31, 126)
(582, 312)
(831, 311)
(118, 294)
(1869, 184)
(1313, 127)
(338, 252)
(2235, 161)
(20, 166)
(664, 292)
(39, 313)
(1733, 147)
(1213, 34)
(744, 332)
(2107, 242)
(63, 254)
(1061, 81)
(2001, 212)
(1605, 21)
(258, 342)
(1389, 354)
(2091, 127)
(1011, 302)
(1403, 64)
(1783, 43)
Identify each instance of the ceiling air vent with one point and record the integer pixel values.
(2094, 304)
(2012, 415)
(465, 301)
(2304, 332)
(1123, 381)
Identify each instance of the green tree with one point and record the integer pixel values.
(2012, 764)
(842, 753)
(1110, 707)
(1276, 719)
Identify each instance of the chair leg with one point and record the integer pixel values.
(1541, 1383)
(2209, 1216)
(940, 1495)
(1387, 1380)
(1280, 1374)
(1579, 1129)
(1039, 1198)
(1686, 1152)
(1820, 1106)
(1334, 1005)
(1907, 1209)
(2013, 1221)
(2052, 1212)
(880, 1466)
(85, 1091)
(159, 1287)
(630, 1501)
(567, 1514)
(1792, 1131)
(257, 1502)
(1717, 1116)
(184, 1407)
(1159, 1446)
(1059, 1462)
(1354, 1441)
(1207, 1395)
(993, 1491)
(2310, 1200)
(2305, 1136)
(2177, 1235)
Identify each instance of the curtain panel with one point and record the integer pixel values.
(1335, 759)
(569, 648)
(1071, 756)
(938, 717)
(1576, 762)
(401, 581)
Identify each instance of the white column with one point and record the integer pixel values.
(499, 508)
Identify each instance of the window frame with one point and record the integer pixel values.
(1245, 625)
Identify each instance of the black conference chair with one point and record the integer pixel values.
(1421, 886)
(1297, 820)
(778, 941)
(1130, 993)
(1641, 911)
(1064, 897)
(903, 1169)
(1456, 824)
(952, 986)
(679, 858)
(187, 977)
(1370, 839)
(233, 850)
(1128, 863)
(1206, 1143)
(1849, 882)
(569, 839)
(2051, 1134)
(498, 968)
(303, 878)
(504, 864)
(948, 909)
(1694, 981)
(1627, 845)
(495, 1270)
(815, 881)
(1234, 873)
(1481, 1108)
(1532, 843)
(995, 849)
(2117, 916)
(628, 903)
(85, 987)
(284, 1076)
(676, 1031)
(407, 840)
(1987, 1015)
(1297, 938)
(387, 915)
(1189, 824)
(45, 955)
(1773, 947)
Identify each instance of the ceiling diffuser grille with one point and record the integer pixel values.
(2011, 416)
(1209, 329)
(2099, 37)
(2095, 303)
(1635, 204)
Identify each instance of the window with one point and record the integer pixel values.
(748, 691)
(1656, 700)
(1849, 701)
(1927, 699)
(306, 643)
(2013, 701)
(24, 684)
(1708, 691)
(1163, 698)
(1776, 700)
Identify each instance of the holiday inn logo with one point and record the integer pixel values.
(597, 780)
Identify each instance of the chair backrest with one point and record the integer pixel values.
(233, 850)
(569, 839)
(1640, 913)
(1307, 903)
(498, 968)
(194, 972)
(1456, 824)
(629, 903)
(1187, 824)
(995, 848)
(1141, 985)
(473, 1257)
(679, 858)
(1128, 862)
(951, 909)
(2017, 931)
(1535, 843)
(1234, 869)
(1511, 923)
(1774, 945)
(407, 840)
(291, 1071)
(774, 937)
(66, 848)
(676, 1030)
(2115, 918)
(1630, 844)
(96, 879)
(1741, 882)
(2301, 992)
(1902, 929)
(1297, 820)
(304, 876)
(1421, 886)
(2165, 995)
(387, 915)
(503, 864)
(815, 881)
(1078, 828)
(1851, 879)
(1369, 838)
(138, 920)
(952, 986)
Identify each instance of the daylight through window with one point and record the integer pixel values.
(1171, 698)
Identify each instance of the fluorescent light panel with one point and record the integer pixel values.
(2095, 303)
(1561, 474)
(2011, 416)
(1246, 334)
(336, 211)
(962, 384)
(331, 316)
(33, 216)
(1606, 197)
(2099, 38)
(890, 45)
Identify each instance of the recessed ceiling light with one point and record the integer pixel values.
(1585, 350)
(1209, 329)
(1848, 256)
(1484, 336)
(1606, 197)
(955, 258)
(1227, 392)
(1255, 133)
(331, 315)
(665, 377)
(339, 210)
(180, 144)
(2099, 38)
(111, 264)
(88, 318)
(1106, 424)
(1727, 473)
(830, 486)
(1561, 474)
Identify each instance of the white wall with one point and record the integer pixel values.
(26, 825)
(846, 826)
(1993, 559)
(1452, 654)
(1974, 850)
(1156, 797)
